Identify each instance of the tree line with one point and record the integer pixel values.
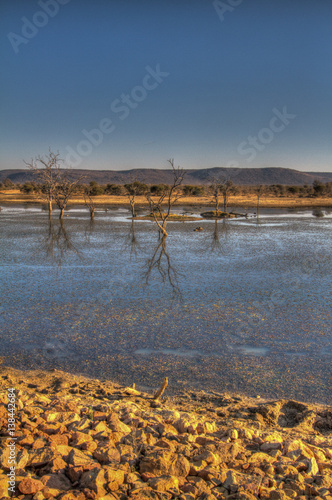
(317, 189)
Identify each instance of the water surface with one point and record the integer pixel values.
(243, 305)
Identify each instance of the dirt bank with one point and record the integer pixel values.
(250, 201)
(79, 438)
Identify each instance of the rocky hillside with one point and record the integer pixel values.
(240, 176)
(79, 438)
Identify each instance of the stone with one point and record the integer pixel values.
(41, 457)
(107, 453)
(94, 480)
(163, 483)
(295, 449)
(114, 477)
(30, 486)
(56, 483)
(164, 462)
(78, 458)
(21, 458)
(312, 467)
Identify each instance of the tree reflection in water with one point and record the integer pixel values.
(131, 240)
(220, 230)
(58, 242)
(161, 264)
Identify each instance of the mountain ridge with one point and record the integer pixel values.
(240, 176)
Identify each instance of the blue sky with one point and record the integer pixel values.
(78, 70)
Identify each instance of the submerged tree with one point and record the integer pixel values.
(134, 189)
(47, 171)
(259, 190)
(221, 187)
(88, 201)
(226, 189)
(64, 190)
(56, 184)
(160, 207)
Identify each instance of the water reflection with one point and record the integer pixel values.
(131, 240)
(220, 231)
(160, 264)
(58, 242)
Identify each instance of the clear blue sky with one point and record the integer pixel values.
(228, 72)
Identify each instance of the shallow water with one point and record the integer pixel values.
(243, 305)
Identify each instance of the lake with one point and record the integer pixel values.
(242, 306)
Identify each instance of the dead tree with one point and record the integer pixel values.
(227, 188)
(134, 189)
(259, 190)
(47, 171)
(221, 187)
(215, 190)
(160, 208)
(64, 190)
(88, 201)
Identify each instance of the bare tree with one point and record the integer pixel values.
(56, 185)
(88, 201)
(259, 190)
(215, 190)
(221, 187)
(166, 199)
(47, 169)
(134, 189)
(64, 190)
(227, 188)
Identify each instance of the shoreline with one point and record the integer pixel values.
(79, 438)
(191, 201)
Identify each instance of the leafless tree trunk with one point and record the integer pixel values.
(64, 190)
(134, 189)
(227, 188)
(89, 202)
(47, 171)
(259, 191)
(168, 197)
(56, 186)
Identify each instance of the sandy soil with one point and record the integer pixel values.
(15, 196)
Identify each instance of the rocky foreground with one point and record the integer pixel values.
(84, 439)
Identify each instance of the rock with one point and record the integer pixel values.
(131, 391)
(231, 480)
(3, 486)
(312, 467)
(56, 483)
(233, 434)
(163, 483)
(165, 463)
(78, 459)
(295, 449)
(107, 453)
(41, 457)
(277, 495)
(29, 486)
(94, 480)
(21, 458)
(115, 477)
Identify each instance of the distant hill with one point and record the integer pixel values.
(240, 176)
